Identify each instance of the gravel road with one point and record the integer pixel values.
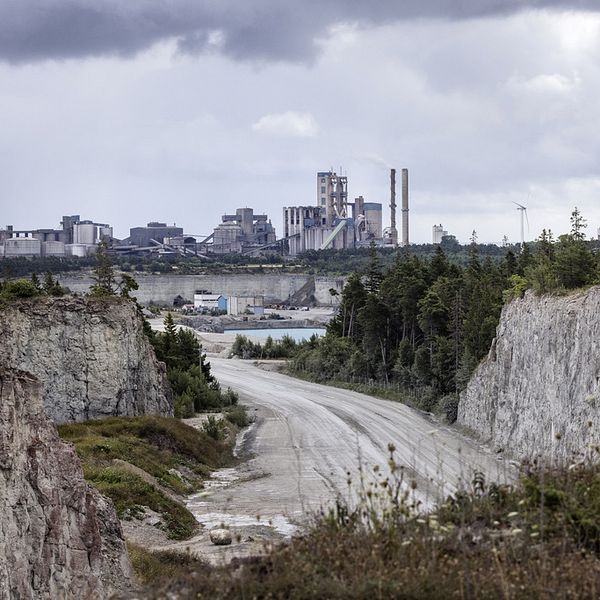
(307, 438)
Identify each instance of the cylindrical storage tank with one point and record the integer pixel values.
(53, 248)
(84, 233)
(79, 250)
(373, 218)
(226, 233)
(22, 247)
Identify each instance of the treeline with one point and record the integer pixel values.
(567, 263)
(286, 347)
(357, 260)
(423, 325)
(326, 262)
(194, 387)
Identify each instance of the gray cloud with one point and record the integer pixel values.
(279, 30)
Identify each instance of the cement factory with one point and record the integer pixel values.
(336, 223)
(331, 222)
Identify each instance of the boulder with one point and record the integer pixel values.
(220, 537)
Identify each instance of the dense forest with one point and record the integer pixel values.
(422, 325)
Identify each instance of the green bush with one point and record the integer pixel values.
(247, 349)
(238, 415)
(214, 428)
(19, 288)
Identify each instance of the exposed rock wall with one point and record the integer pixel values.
(59, 538)
(91, 356)
(277, 288)
(538, 391)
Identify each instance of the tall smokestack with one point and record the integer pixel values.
(393, 230)
(405, 207)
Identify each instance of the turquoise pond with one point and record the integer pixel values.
(298, 334)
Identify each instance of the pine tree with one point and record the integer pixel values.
(578, 224)
(48, 282)
(103, 273)
(439, 265)
(374, 274)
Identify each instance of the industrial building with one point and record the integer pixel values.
(242, 232)
(373, 224)
(239, 305)
(154, 233)
(326, 225)
(75, 238)
(336, 223)
(211, 302)
(438, 233)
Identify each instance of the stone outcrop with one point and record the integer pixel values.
(537, 394)
(59, 538)
(91, 356)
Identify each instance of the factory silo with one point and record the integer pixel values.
(53, 248)
(373, 219)
(22, 246)
(84, 233)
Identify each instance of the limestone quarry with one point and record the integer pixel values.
(290, 288)
(59, 538)
(91, 356)
(537, 394)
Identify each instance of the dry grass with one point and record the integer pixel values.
(538, 539)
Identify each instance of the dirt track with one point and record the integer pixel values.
(305, 441)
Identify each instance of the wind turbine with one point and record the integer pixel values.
(523, 210)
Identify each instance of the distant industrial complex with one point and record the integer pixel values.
(74, 238)
(331, 222)
(336, 223)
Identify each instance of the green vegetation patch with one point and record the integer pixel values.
(130, 492)
(194, 387)
(176, 455)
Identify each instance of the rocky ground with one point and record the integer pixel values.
(251, 536)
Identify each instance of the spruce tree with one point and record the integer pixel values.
(103, 273)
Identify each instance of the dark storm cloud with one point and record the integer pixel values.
(32, 30)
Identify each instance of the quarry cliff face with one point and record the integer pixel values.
(537, 394)
(59, 538)
(91, 356)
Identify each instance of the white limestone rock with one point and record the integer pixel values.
(91, 355)
(220, 537)
(537, 394)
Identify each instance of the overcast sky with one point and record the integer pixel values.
(182, 110)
